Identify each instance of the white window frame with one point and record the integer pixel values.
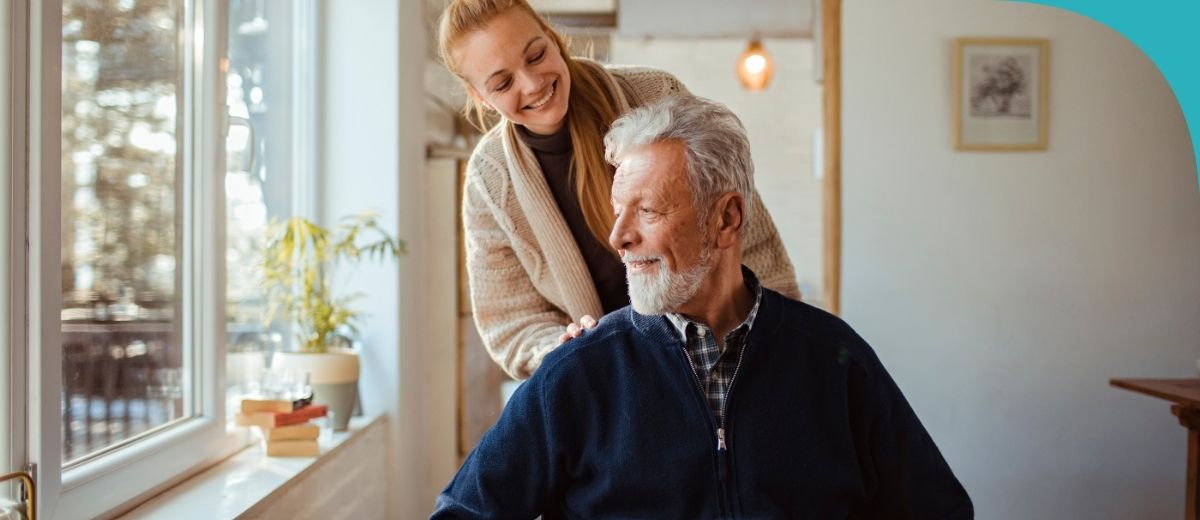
(12, 389)
(116, 480)
(30, 319)
(304, 108)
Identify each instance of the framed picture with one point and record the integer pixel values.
(1001, 91)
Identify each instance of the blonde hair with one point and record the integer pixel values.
(591, 107)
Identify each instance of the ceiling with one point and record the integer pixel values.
(575, 6)
(644, 19)
(695, 18)
(664, 18)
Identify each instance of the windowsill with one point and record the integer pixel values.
(246, 481)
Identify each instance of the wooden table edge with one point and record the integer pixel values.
(1132, 385)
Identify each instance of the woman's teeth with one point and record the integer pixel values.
(538, 104)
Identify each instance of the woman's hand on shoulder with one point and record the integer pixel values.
(577, 328)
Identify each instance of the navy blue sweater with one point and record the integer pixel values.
(613, 425)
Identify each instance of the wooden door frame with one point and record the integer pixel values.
(831, 63)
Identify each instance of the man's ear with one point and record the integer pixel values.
(730, 210)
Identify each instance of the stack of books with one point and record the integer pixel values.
(285, 425)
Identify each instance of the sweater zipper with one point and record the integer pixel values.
(725, 403)
(721, 499)
(722, 447)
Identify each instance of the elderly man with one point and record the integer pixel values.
(710, 396)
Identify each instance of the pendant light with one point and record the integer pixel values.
(755, 66)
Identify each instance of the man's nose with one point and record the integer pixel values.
(623, 233)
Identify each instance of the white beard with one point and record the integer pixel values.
(665, 290)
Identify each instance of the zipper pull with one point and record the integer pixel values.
(721, 451)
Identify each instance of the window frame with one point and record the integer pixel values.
(305, 40)
(117, 480)
(12, 139)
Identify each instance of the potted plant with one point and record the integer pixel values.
(297, 267)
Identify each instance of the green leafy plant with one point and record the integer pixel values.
(298, 266)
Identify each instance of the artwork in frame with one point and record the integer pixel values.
(1001, 93)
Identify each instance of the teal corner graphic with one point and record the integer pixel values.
(1165, 30)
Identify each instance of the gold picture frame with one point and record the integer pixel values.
(1001, 94)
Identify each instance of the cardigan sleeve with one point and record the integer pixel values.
(515, 468)
(905, 473)
(517, 324)
(763, 252)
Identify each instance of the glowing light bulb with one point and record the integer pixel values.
(754, 68)
(755, 63)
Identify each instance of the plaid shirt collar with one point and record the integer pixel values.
(681, 322)
(713, 365)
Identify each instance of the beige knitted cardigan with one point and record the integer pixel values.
(528, 279)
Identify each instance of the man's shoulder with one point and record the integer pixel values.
(799, 316)
(820, 329)
(600, 344)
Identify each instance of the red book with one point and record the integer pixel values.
(311, 411)
(267, 420)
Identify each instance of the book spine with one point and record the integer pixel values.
(293, 449)
(301, 415)
(304, 431)
(275, 405)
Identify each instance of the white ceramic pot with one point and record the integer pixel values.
(333, 376)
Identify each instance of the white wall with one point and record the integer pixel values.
(440, 250)
(779, 121)
(372, 158)
(1004, 290)
(714, 18)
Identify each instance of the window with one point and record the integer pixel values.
(123, 286)
(123, 279)
(123, 358)
(268, 168)
(120, 312)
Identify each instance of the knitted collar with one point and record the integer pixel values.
(660, 331)
(681, 322)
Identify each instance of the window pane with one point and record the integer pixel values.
(121, 224)
(261, 170)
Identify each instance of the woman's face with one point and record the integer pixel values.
(512, 66)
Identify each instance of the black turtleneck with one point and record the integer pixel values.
(554, 154)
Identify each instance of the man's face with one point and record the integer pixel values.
(658, 231)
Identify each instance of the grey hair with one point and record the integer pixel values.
(717, 150)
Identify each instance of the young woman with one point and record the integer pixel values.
(536, 202)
